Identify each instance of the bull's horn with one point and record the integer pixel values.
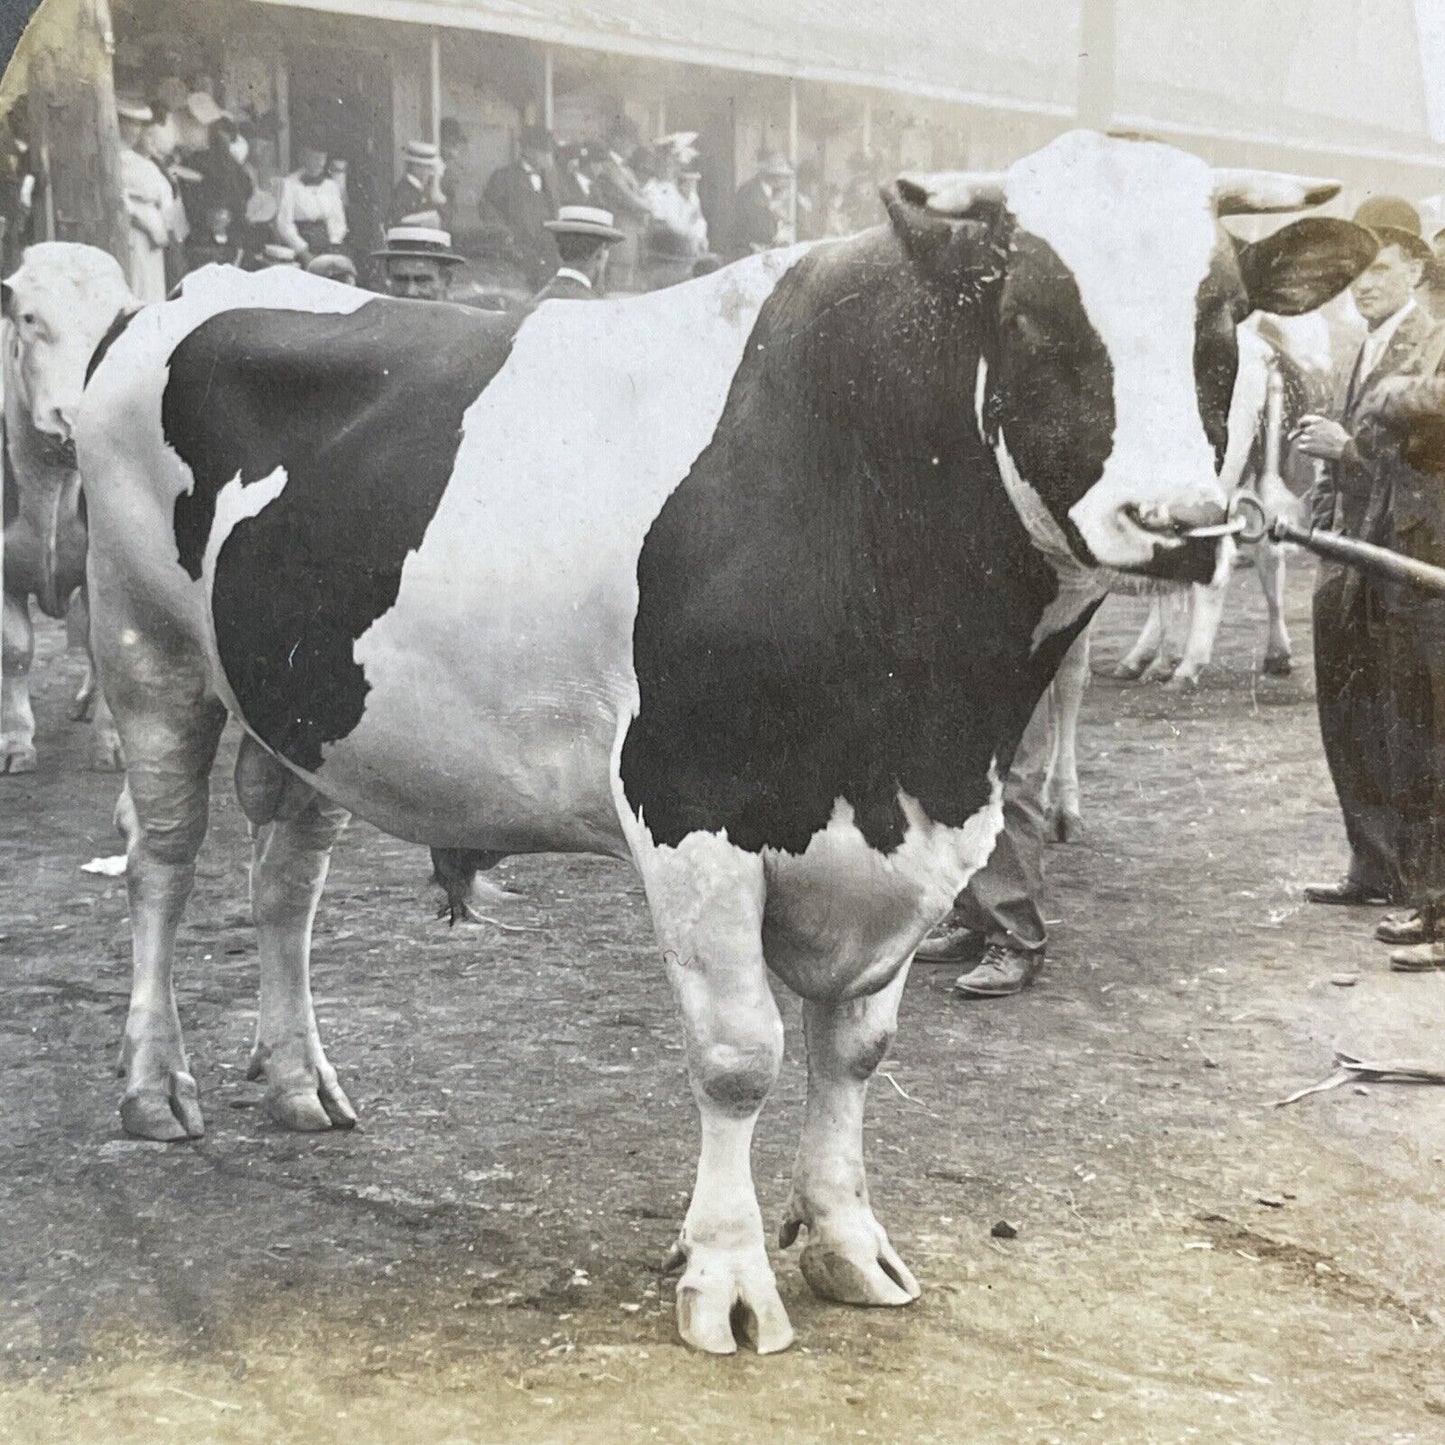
(951, 193)
(1246, 193)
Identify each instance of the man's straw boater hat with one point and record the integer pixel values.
(419, 236)
(420, 152)
(584, 221)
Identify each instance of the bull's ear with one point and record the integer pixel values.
(1304, 264)
(951, 225)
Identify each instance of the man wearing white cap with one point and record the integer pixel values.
(310, 215)
(418, 258)
(584, 237)
(419, 188)
(148, 199)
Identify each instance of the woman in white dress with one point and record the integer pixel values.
(150, 204)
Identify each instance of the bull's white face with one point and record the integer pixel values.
(1110, 297)
(1133, 225)
(58, 306)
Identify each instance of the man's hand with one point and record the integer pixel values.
(1318, 436)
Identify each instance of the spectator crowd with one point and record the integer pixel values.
(192, 197)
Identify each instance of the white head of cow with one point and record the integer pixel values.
(57, 307)
(1110, 296)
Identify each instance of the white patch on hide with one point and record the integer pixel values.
(1134, 223)
(236, 503)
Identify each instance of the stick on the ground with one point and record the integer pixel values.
(1381, 1071)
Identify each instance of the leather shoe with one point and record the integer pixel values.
(1347, 893)
(950, 945)
(1001, 971)
(1422, 958)
(1403, 928)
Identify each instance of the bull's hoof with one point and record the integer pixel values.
(850, 1260)
(105, 754)
(1162, 669)
(1182, 681)
(168, 1112)
(17, 757)
(1066, 826)
(302, 1093)
(80, 707)
(1129, 669)
(1278, 664)
(729, 1296)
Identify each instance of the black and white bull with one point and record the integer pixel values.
(755, 581)
(56, 308)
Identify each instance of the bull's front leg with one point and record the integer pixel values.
(1146, 645)
(847, 1256)
(707, 901)
(17, 720)
(1206, 612)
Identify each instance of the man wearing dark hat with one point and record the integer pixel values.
(619, 189)
(584, 236)
(576, 174)
(758, 215)
(417, 259)
(521, 195)
(419, 188)
(1361, 676)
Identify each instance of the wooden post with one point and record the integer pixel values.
(867, 125)
(1097, 62)
(281, 80)
(73, 128)
(793, 156)
(549, 99)
(436, 89)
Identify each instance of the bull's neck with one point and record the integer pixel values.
(873, 371)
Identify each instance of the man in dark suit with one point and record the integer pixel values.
(419, 188)
(1358, 665)
(521, 195)
(758, 216)
(617, 188)
(584, 236)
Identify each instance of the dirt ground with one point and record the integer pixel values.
(479, 1260)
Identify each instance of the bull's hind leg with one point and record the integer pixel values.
(162, 814)
(1056, 729)
(847, 1256)
(707, 902)
(295, 829)
(1278, 654)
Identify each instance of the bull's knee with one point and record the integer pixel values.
(317, 827)
(863, 1049)
(737, 1076)
(167, 823)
